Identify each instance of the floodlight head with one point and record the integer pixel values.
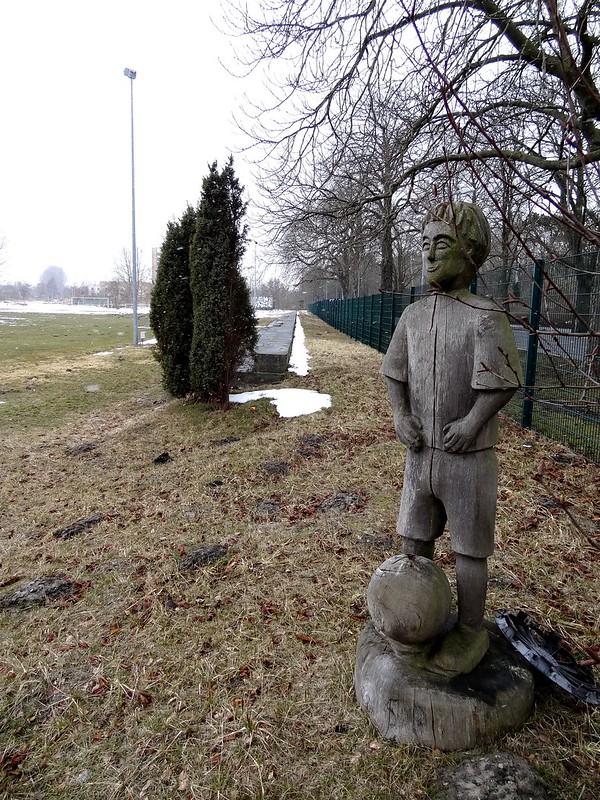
(129, 73)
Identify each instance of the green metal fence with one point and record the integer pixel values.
(560, 396)
(370, 319)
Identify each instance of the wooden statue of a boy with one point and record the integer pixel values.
(451, 366)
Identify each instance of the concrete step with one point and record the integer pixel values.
(272, 353)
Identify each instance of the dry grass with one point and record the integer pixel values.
(235, 680)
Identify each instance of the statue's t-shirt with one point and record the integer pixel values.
(447, 348)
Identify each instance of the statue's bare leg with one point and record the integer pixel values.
(471, 587)
(467, 643)
(415, 547)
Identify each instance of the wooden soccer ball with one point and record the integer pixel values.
(409, 599)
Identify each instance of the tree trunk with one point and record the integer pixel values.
(387, 250)
(585, 285)
(506, 270)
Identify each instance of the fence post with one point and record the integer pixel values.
(360, 318)
(393, 322)
(382, 297)
(532, 344)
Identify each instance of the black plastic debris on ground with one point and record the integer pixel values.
(202, 555)
(163, 458)
(547, 501)
(565, 458)
(78, 527)
(545, 651)
(38, 591)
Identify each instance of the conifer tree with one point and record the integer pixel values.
(224, 328)
(171, 311)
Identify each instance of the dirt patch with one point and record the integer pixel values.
(343, 501)
(201, 556)
(38, 591)
(310, 445)
(500, 776)
(276, 467)
(267, 509)
(78, 527)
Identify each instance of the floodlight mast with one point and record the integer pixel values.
(131, 74)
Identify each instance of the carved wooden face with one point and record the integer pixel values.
(446, 262)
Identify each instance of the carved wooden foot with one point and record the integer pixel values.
(460, 652)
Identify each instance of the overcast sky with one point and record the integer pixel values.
(65, 138)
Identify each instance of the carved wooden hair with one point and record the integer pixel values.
(471, 226)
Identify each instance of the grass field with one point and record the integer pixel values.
(234, 680)
(56, 364)
(32, 338)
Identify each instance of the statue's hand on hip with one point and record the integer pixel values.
(459, 435)
(409, 430)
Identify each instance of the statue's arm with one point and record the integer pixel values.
(460, 434)
(407, 426)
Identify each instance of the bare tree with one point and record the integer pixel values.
(486, 83)
(322, 241)
(350, 192)
(122, 283)
(52, 283)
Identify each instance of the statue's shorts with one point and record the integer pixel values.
(458, 488)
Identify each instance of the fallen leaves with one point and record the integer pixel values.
(10, 581)
(144, 698)
(11, 760)
(305, 638)
(100, 687)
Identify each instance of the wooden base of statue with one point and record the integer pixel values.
(409, 705)
(409, 600)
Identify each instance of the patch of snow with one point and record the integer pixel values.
(288, 402)
(263, 313)
(104, 353)
(39, 307)
(11, 320)
(299, 356)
